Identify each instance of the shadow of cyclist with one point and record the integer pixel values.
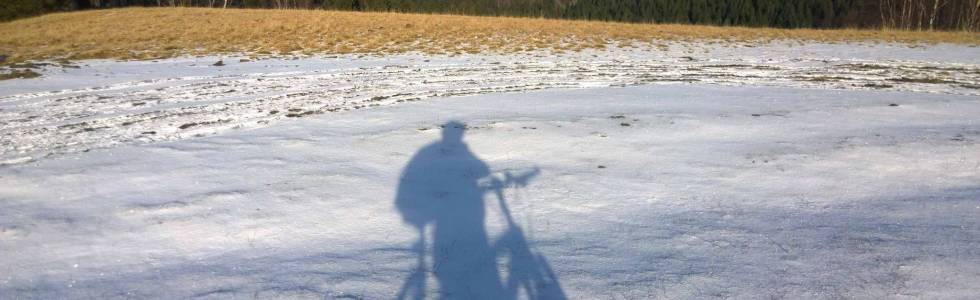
(440, 187)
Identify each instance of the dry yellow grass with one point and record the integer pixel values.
(144, 33)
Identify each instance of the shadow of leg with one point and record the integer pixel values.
(414, 287)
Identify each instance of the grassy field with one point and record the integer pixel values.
(147, 33)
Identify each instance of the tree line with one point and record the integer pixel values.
(898, 14)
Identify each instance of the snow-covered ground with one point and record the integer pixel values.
(103, 103)
(772, 171)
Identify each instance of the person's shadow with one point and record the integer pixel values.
(441, 187)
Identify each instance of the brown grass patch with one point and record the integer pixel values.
(146, 33)
(13, 74)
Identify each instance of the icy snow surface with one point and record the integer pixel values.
(775, 171)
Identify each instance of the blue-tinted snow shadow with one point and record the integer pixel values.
(442, 189)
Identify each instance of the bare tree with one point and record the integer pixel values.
(936, 4)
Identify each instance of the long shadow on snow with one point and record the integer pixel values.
(443, 186)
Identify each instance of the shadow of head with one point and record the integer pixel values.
(452, 132)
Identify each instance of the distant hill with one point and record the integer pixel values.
(899, 14)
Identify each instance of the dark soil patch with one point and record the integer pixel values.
(14, 74)
(878, 85)
(929, 80)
